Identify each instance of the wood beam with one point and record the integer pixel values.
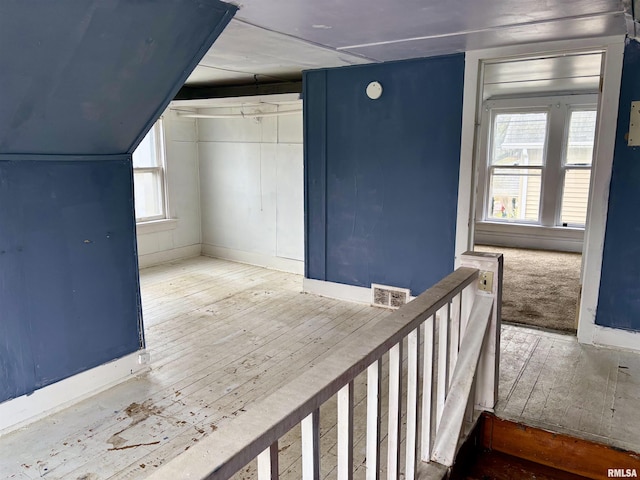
(226, 91)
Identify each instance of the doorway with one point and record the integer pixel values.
(535, 150)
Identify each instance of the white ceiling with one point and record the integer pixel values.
(244, 50)
(277, 39)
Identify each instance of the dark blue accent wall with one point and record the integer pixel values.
(81, 83)
(68, 291)
(91, 76)
(381, 176)
(619, 299)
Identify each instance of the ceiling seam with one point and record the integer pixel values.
(481, 30)
(308, 42)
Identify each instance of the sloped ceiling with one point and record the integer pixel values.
(275, 40)
(90, 77)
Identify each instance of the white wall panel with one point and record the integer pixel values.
(251, 184)
(238, 196)
(184, 197)
(249, 130)
(290, 126)
(290, 202)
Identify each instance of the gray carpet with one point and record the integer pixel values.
(539, 288)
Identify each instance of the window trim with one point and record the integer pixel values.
(160, 169)
(559, 108)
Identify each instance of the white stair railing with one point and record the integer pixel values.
(451, 333)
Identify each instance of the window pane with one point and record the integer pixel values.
(148, 194)
(575, 196)
(582, 131)
(514, 194)
(145, 154)
(519, 138)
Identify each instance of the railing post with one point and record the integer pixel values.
(374, 391)
(345, 432)
(268, 463)
(427, 425)
(490, 282)
(310, 427)
(444, 368)
(411, 442)
(395, 412)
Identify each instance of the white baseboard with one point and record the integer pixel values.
(529, 236)
(616, 338)
(275, 263)
(157, 258)
(19, 412)
(339, 291)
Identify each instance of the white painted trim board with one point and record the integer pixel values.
(146, 228)
(21, 411)
(339, 291)
(616, 338)
(597, 214)
(165, 256)
(252, 258)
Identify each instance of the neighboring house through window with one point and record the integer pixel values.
(149, 176)
(537, 160)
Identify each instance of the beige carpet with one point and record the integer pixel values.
(539, 288)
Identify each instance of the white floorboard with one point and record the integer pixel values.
(223, 335)
(552, 381)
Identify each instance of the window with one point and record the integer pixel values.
(148, 176)
(515, 165)
(577, 166)
(538, 155)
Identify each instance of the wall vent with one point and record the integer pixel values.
(389, 297)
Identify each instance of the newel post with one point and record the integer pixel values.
(489, 283)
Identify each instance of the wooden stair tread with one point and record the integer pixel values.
(557, 450)
(500, 466)
(499, 449)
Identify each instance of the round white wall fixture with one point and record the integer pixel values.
(374, 90)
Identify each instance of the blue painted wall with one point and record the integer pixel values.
(68, 274)
(381, 176)
(91, 76)
(82, 82)
(619, 300)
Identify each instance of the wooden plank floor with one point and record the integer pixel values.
(223, 335)
(551, 381)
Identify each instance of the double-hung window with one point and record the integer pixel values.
(516, 163)
(576, 166)
(537, 156)
(149, 177)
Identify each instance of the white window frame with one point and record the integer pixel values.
(553, 168)
(576, 166)
(160, 171)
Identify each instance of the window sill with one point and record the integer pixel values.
(520, 235)
(154, 226)
(531, 229)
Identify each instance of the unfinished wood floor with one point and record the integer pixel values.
(224, 335)
(551, 381)
(221, 335)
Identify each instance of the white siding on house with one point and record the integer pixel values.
(575, 197)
